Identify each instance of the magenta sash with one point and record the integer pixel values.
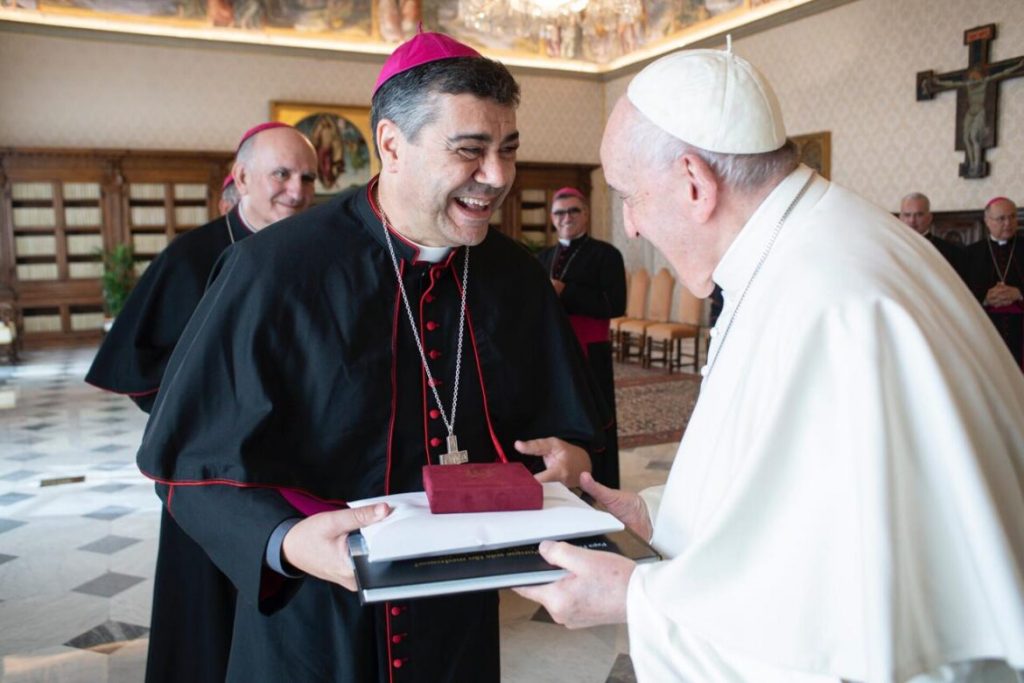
(589, 330)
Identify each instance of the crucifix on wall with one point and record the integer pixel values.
(977, 96)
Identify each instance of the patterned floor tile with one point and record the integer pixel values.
(18, 475)
(111, 465)
(109, 448)
(107, 637)
(14, 497)
(8, 524)
(659, 465)
(622, 671)
(108, 585)
(542, 616)
(39, 425)
(110, 512)
(110, 488)
(108, 545)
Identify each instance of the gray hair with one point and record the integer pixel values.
(244, 154)
(917, 196)
(230, 194)
(740, 171)
(407, 98)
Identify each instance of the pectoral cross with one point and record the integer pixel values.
(454, 456)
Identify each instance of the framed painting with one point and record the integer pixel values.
(815, 150)
(342, 138)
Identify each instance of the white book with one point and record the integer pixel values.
(412, 531)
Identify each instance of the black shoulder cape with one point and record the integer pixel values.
(298, 369)
(134, 354)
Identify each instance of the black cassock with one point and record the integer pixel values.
(953, 253)
(193, 602)
(595, 290)
(979, 271)
(299, 371)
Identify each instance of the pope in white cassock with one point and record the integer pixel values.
(847, 503)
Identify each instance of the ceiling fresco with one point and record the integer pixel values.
(595, 36)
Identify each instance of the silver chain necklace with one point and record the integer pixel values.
(757, 269)
(231, 233)
(454, 456)
(1009, 261)
(565, 269)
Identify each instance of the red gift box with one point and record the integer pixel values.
(481, 487)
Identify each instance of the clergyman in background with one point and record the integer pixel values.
(590, 279)
(994, 270)
(915, 211)
(193, 601)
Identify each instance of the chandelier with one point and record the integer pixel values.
(596, 30)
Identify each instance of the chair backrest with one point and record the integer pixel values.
(690, 307)
(636, 301)
(660, 305)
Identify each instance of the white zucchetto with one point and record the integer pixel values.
(710, 99)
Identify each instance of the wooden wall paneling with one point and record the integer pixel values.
(964, 227)
(525, 215)
(80, 199)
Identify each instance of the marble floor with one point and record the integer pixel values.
(78, 527)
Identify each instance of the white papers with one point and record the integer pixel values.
(412, 531)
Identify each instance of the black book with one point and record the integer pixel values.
(475, 571)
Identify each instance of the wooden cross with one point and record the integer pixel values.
(977, 96)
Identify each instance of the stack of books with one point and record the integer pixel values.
(413, 554)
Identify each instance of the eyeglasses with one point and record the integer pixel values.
(562, 213)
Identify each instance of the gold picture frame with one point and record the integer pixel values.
(815, 150)
(342, 138)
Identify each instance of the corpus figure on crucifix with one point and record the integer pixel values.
(974, 129)
(977, 96)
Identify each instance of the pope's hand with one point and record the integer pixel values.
(594, 593)
(564, 461)
(317, 544)
(627, 506)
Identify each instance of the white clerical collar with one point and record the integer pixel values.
(1001, 243)
(430, 254)
(567, 242)
(740, 259)
(241, 214)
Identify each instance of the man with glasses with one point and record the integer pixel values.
(589, 277)
(994, 270)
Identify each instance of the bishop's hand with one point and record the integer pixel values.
(318, 544)
(1002, 295)
(563, 461)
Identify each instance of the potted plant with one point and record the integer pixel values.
(117, 279)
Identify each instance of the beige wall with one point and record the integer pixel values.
(95, 92)
(852, 71)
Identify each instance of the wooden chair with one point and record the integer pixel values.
(636, 303)
(668, 337)
(659, 306)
